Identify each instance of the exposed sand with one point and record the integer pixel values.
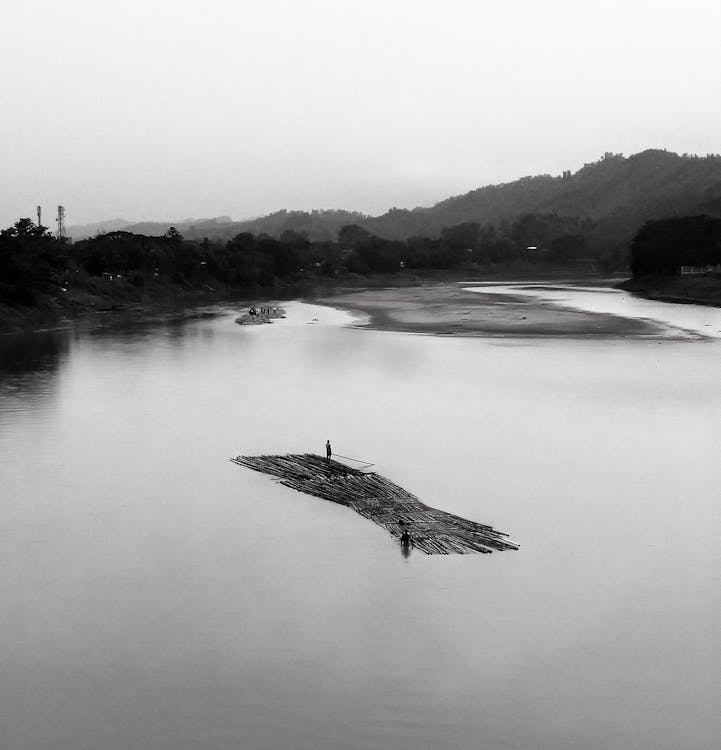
(448, 309)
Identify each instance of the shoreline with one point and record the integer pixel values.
(50, 316)
(440, 307)
(702, 290)
(44, 320)
(95, 299)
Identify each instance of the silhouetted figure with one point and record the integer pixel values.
(405, 536)
(406, 541)
(328, 451)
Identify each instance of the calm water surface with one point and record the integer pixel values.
(156, 596)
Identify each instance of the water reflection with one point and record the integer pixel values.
(31, 363)
(28, 353)
(29, 368)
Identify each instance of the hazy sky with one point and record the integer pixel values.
(153, 109)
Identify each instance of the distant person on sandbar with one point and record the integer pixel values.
(328, 451)
(405, 536)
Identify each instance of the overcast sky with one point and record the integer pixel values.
(146, 109)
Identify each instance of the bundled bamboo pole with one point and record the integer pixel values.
(378, 499)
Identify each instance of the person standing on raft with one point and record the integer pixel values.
(328, 452)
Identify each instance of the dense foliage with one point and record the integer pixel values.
(663, 247)
(33, 262)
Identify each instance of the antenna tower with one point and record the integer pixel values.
(40, 211)
(60, 222)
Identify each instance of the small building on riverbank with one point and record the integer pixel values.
(698, 270)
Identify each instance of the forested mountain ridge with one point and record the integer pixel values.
(652, 181)
(616, 193)
(318, 225)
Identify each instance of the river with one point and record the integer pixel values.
(157, 596)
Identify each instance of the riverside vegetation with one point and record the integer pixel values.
(42, 276)
(678, 260)
(572, 224)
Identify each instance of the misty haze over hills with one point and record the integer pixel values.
(617, 194)
(82, 231)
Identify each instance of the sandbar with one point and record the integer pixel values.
(450, 310)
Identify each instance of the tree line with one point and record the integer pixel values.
(34, 262)
(662, 247)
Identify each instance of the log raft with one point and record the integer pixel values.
(433, 531)
(268, 315)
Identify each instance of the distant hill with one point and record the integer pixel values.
(150, 228)
(317, 225)
(191, 228)
(619, 193)
(615, 195)
(81, 231)
(652, 181)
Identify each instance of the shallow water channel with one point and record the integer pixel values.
(156, 596)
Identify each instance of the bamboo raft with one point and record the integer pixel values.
(268, 316)
(433, 531)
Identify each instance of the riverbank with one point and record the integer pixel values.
(93, 297)
(704, 289)
(452, 310)
(111, 300)
(54, 313)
